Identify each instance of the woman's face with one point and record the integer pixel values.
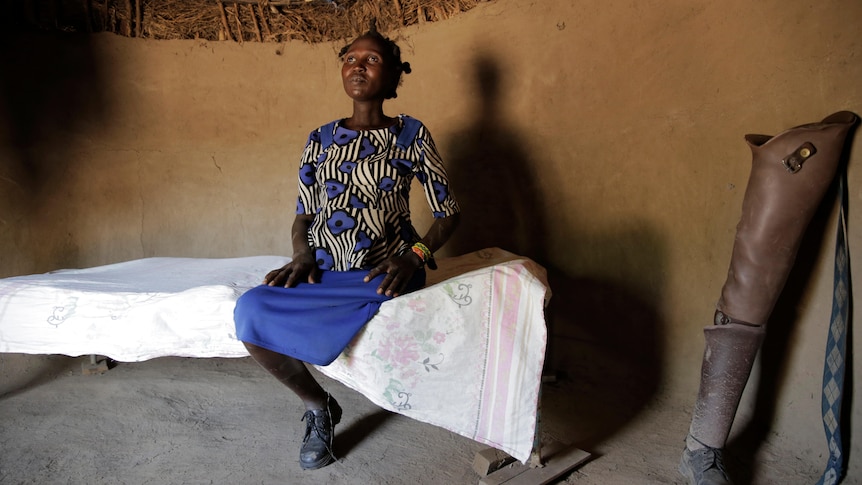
(367, 74)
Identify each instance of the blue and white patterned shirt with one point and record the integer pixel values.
(358, 190)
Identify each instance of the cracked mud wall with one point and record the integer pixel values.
(610, 136)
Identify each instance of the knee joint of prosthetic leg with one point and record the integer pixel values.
(734, 339)
(722, 318)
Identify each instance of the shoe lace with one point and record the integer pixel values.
(715, 455)
(314, 423)
(318, 424)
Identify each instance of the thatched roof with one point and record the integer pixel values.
(239, 20)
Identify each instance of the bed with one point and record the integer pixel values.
(465, 353)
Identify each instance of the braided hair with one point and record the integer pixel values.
(392, 53)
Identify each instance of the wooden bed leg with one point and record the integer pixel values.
(547, 462)
(536, 453)
(558, 460)
(94, 366)
(490, 460)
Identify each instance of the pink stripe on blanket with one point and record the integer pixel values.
(504, 311)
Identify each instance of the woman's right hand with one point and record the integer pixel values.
(301, 268)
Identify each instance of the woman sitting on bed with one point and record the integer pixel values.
(354, 244)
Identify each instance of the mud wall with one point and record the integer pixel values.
(605, 140)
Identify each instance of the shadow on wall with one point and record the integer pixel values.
(604, 338)
(49, 85)
(493, 179)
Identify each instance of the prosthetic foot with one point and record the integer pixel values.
(790, 174)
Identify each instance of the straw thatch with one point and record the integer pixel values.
(239, 20)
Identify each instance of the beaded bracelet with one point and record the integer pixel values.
(426, 253)
(418, 252)
(426, 256)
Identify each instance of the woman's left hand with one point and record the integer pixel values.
(399, 270)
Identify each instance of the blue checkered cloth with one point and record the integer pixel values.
(836, 348)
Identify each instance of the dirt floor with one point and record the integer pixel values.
(225, 421)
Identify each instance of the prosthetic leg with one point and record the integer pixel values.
(790, 174)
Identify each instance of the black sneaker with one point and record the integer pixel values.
(704, 467)
(316, 451)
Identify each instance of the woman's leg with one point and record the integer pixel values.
(292, 373)
(322, 412)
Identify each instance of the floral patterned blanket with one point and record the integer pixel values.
(465, 353)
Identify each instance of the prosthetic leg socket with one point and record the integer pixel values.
(790, 173)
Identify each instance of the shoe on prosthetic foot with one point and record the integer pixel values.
(704, 466)
(316, 451)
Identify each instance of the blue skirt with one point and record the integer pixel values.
(312, 322)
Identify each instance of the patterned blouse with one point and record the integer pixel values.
(358, 190)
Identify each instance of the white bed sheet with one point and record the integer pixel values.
(465, 353)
